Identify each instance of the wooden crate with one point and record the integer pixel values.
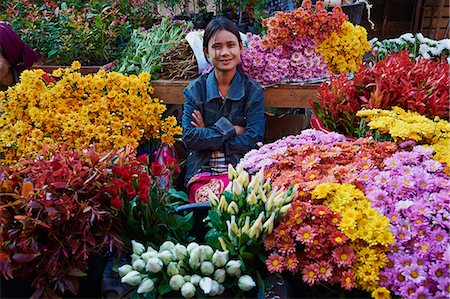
(436, 19)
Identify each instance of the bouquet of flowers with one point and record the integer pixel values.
(302, 44)
(416, 44)
(402, 189)
(413, 191)
(192, 269)
(410, 126)
(398, 80)
(109, 110)
(147, 209)
(55, 215)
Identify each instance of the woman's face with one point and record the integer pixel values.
(224, 51)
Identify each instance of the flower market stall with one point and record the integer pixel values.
(358, 206)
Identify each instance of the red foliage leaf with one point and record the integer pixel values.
(24, 257)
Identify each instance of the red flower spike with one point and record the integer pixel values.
(156, 169)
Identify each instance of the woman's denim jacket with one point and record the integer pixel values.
(244, 106)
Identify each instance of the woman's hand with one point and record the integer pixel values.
(198, 120)
(239, 130)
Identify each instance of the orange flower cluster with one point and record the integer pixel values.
(306, 21)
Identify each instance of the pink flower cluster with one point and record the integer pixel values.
(294, 61)
(265, 156)
(414, 192)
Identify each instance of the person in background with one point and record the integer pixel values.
(15, 56)
(223, 116)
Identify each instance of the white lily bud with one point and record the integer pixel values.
(172, 269)
(191, 246)
(206, 285)
(154, 265)
(220, 258)
(166, 256)
(196, 257)
(243, 179)
(207, 252)
(233, 268)
(135, 257)
(231, 172)
(123, 270)
(146, 286)
(214, 288)
(262, 194)
(251, 199)
(182, 265)
(220, 275)
(222, 243)
(268, 225)
(138, 265)
(180, 252)
(146, 255)
(285, 209)
(233, 208)
(246, 283)
(234, 226)
(267, 185)
(254, 231)
(168, 245)
(132, 278)
(188, 290)
(195, 279)
(228, 187)
(246, 227)
(176, 282)
(221, 289)
(213, 200)
(223, 206)
(239, 169)
(207, 268)
(138, 248)
(269, 204)
(237, 188)
(230, 231)
(150, 249)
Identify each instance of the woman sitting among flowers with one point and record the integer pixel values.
(15, 56)
(223, 114)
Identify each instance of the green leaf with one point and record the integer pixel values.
(179, 194)
(52, 52)
(164, 288)
(215, 219)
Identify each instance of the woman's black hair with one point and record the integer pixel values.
(217, 24)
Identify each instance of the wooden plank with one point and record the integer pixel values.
(281, 96)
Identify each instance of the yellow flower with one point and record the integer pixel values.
(76, 65)
(109, 110)
(343, 50)
(381, 293)
(404, 125)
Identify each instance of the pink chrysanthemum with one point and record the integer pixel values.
(274, 263)
(270, 242)
(347, 280)
(310, 274)
(344, 256)
(325, 270)
(305, 234)
(291, 262)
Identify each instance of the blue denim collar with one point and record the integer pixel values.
(235, 93)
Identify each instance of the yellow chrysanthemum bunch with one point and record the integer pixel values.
(343, 50)
(404, 125)
(108, 110)
(364, 226)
